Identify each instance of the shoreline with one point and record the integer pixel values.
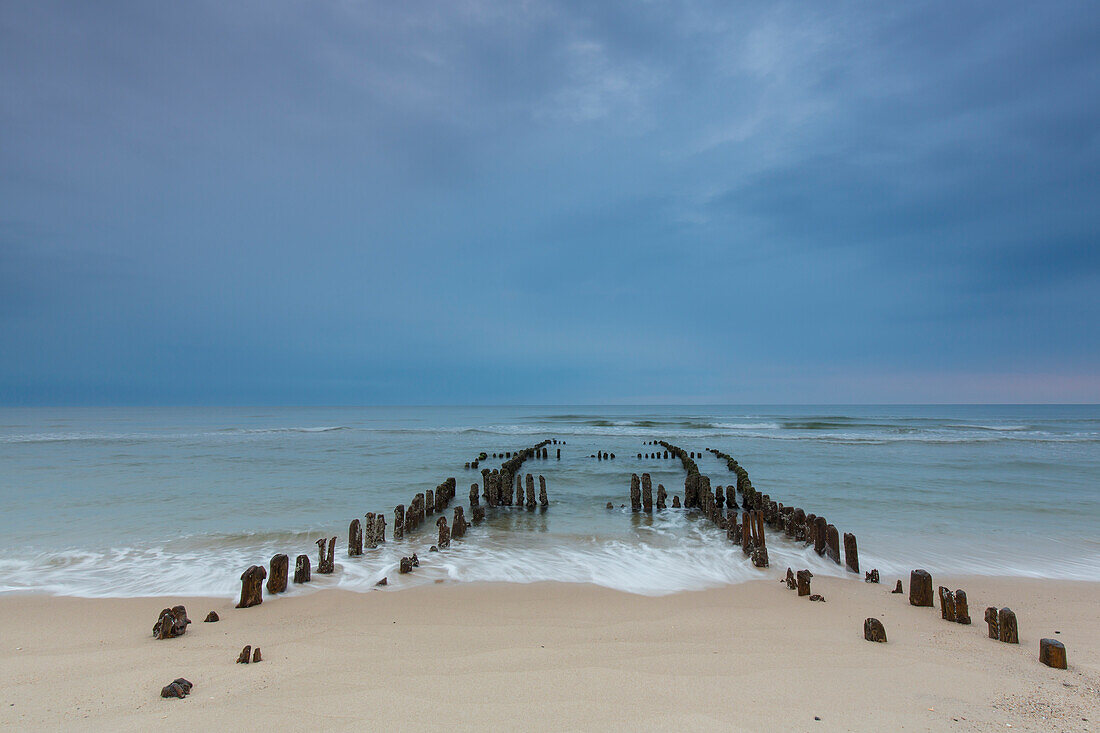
(552, 655)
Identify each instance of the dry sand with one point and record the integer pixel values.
(557, 657)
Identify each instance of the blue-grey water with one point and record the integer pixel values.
(178, 501)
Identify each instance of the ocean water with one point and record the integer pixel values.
(179, 501)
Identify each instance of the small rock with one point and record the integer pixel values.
(211, 618)
(433, 548)
(175, 689)
(245, 656)
(256, 655)
(873, 630)
(897, 588)
(817, 597)
(383, 581)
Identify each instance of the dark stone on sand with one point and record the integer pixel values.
(816, 597)
(245, 656)
(256, 657)
(179, 687)
(444, 532)
(1052, 653)
(172, 622)
(920, 588)
(252, 587)
(211, 618)
(898, 588)
(873, 630)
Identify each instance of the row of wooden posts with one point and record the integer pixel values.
(794, 521)
(539, 451)
(371, 531)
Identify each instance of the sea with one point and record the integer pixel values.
(157, 501)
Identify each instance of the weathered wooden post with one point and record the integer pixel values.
(1006, 622)
(1052, 653)
(399, 521)
(962, 610)
(871, 576)
(473, 495)
(662, 496)
(429, 502)
(327, 563)
(635, 493)
(897, 588)
(172, 622)
(947, 604)
(791, 584)
(873, 630)
(820, 534)
(276, 580)
(444, 533)
(355, 538)
(301, 569)
(851, 554)
(485, 486)
(920, 588)
(802, 578)
(530, 491)
(994, 623)
(647, 493)
(832, 549)
(252, 586)
(477, 513)
(544, 500)
(459, 525)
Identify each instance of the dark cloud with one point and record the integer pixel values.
(548, 201)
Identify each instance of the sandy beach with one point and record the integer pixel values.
(553, 656)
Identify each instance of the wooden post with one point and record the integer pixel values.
(544, 500)
(851, 554)
(399, 521)
(301, 569)
(355, 538)
(530, 491)
(662, 496)
(803, 580)
(252, 586)
(920, 588)
(832, 549)
(444, 533)
(1006, 621)
(635, 493)
(820, 533)
(993, 622)
(647, 493)
(1052, 653)
(873, 630)
(947, 604)
(276, 580)
(326, 564)
(473, 495)
(962, 611)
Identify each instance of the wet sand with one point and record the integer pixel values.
(554, 656)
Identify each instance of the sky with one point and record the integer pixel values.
(549, 202)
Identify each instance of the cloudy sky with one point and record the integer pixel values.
(543, 202)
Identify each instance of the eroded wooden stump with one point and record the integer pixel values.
(647, 493)
(530, 491)
(920, 588)
(327, 562)
(1006, 622)
(178, 687)
(994, 623)
(256, 656)
(252, 587)
(662, 497)
(962, 610)
(851, 554)
(676, 502)
(355, 538)
(459, 525)
(873, 630)
(399, 520)
(444, 533)
(791, 583)
(832, 542)
(276, 579)
(871, 576)
(406, 565)
(1052, 653)
(635, 493)
(246, 655)
(301, 569)
(211, 618)
(478, 514)
(898, 588)
(802, 578)
(171, 623)
(947, 604)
